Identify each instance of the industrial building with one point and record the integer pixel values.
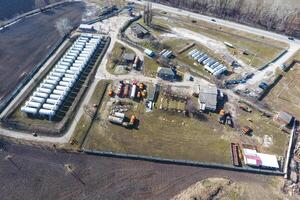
(254, 159)
(166, 73)
(49, 96)
(208, 97)
(139, 31)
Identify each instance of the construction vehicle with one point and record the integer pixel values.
(141, 86)
(246, 130)
(132, 120)
(229, 121)
(111, 93)
(245, 108)
(126, 90)
(144, 93)
(222, 117)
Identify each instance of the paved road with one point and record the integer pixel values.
(294, 46)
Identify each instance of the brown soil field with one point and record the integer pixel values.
(26, 43)
(29, 172)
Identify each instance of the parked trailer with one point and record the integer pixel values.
(220, 71)
(29, 110)
(218, 68)
(47, 112)
(133, 91)
(115, 120)
(215, 65)
(119, 115)
(191, 52)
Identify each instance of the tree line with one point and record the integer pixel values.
(266, 14)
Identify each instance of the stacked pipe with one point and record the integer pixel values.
(47, 99)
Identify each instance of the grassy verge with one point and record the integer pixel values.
(150, 67)
(85, 121)
(116, 58)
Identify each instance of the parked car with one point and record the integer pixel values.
(291, 38)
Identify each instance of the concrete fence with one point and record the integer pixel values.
(184, 162)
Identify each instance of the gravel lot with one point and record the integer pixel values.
(25, 44)
(38, 173)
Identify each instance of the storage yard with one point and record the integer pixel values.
(159, 87)
(32, 44)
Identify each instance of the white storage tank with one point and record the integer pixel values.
(55, 78)
(40, 94)
(60, 70)
(37, 99)
(48, 86)
(55, 96)
(47, 112)
(33, 104)
(68, 79)
(63, 88)
(62, 67)
(58, 92)
(44, 90)
(63, 83)
(133, 91)
(29, 110)
(57, 74)
(53, 82)
(71, 76)
(50, 107)
(54, 102)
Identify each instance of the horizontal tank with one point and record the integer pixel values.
(65, 63)
(29, 110)
(33, 104)
(55, 96)
(59, 92)
(68, 79)
(57, 74)
(54, 102)
(71, 76)
(47, 112)
(133, 91)
(52, 78)
(44, 90)
(62, 67)
(48, 86)
(60, 70)
(64, 83)
(40, 94)
(119, 115)
(53, 82)
(63, 88)
(50, 107)
(37, 99)
(115, 120)
(72, 72)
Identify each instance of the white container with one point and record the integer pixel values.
(29, 110)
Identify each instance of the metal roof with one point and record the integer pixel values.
(284, 117)
(208, 95)
(165, 71)
(138, 28)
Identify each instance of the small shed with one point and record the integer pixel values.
(166, 73)
(129, 57)
(284, 118)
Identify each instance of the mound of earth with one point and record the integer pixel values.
(209, 189)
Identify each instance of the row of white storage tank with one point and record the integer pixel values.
(49, 96)
(210, 64)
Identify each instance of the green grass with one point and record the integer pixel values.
(161, 134)
(285, 95)
(116, 57)
(264, 126)
(150, 67)
(85, 120)
(264, 49)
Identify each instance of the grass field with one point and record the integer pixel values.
(261, 49)
(285, 95)
(161, 134)
(116, 58)
(150, 67)
(85, 120)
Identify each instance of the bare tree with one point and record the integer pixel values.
(63, 26)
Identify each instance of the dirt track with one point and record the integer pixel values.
(25, 44)
(33, 173)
